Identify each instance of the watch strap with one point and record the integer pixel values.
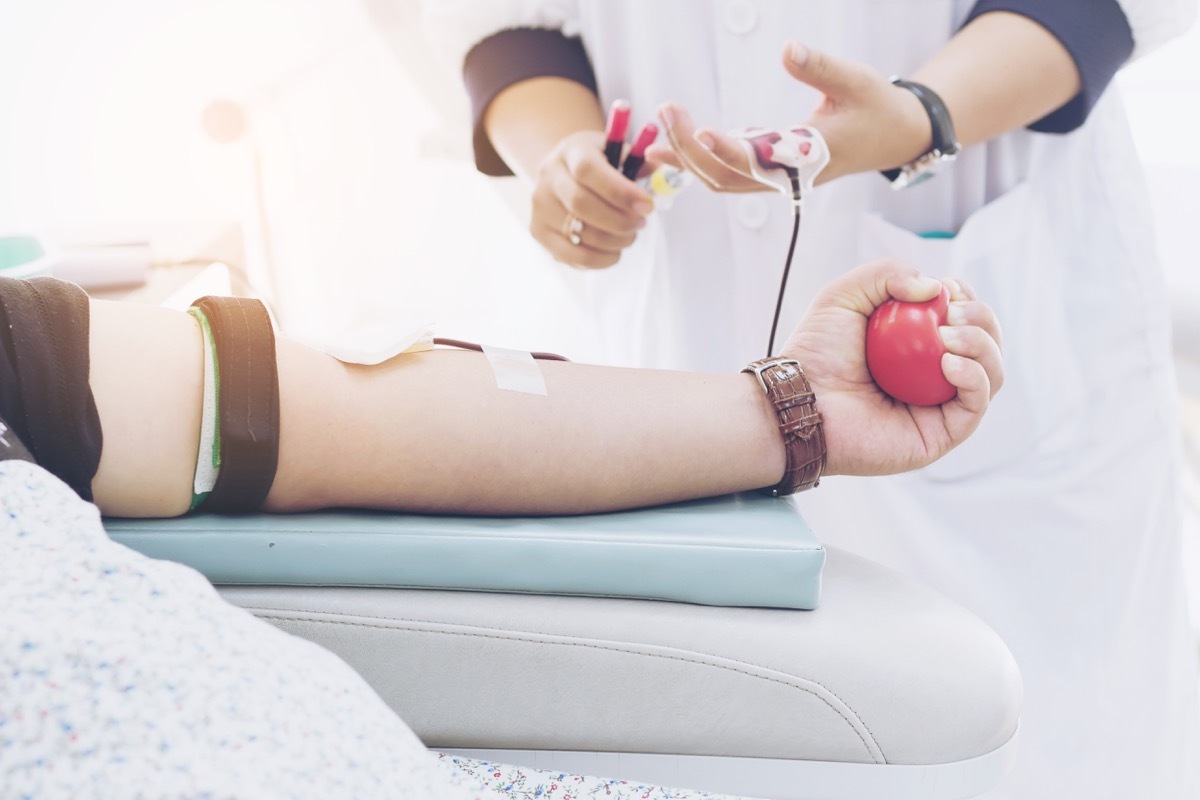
(945, 142)
(800, 423)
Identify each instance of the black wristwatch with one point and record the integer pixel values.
(945, 143)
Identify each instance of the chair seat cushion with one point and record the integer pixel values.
(737, 550)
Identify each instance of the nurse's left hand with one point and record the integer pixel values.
(866, 431)
(718, 160)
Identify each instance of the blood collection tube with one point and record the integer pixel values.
(637, 154)
(614, 133)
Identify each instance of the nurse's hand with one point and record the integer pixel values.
(718, 160)
(868, 124)
(585, 212)
(866, 431)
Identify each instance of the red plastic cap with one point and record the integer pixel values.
(645, 138)
(618, 121)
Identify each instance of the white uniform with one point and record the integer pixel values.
(1058, 522)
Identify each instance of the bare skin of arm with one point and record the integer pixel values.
(428, 431)
(528, 119)
(1000, 73)
(432, 432)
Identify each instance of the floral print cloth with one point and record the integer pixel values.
(122, 677)
(522, 783)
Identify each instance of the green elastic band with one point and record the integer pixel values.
(211, 345)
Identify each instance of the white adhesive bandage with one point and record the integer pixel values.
(371, 340)
(516, 370)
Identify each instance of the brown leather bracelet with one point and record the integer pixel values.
(800, 423)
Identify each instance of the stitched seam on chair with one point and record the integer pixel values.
(698, 662)
(520, 633)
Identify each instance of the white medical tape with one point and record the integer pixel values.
(516, 370)
(207, 467)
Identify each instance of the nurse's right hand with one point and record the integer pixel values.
(585, 212)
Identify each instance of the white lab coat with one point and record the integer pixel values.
(1058, 522)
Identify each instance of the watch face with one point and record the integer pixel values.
(923, 168)
(912, 179)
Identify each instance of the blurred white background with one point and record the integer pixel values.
(371, 204)
(368, 204)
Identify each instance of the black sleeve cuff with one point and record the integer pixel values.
(509, 57)
(1097, 35)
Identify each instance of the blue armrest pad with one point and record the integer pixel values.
(737, 550)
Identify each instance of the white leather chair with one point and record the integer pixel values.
(885, 690)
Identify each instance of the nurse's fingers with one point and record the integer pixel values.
(590, 188)
(569, 239)
(583, 190)
(729, 151)
(696, 157)
(977, 345)
(573, 252)
(678, 129)
(833, 77)
(663, 153)
(575, 227)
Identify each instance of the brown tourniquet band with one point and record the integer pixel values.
(799, 422)
(45, 395)
(248, 405)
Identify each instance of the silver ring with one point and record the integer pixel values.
(572, 227)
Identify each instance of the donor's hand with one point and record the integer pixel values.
(866, 431)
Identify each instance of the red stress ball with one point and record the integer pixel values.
(904, 350)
